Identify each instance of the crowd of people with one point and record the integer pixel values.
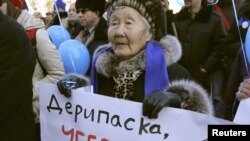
(140, 51)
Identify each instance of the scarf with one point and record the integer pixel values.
(156, 74)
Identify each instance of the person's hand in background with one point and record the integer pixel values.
(244, 89)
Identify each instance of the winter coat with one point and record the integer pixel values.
(194, 97)
(47, 54)
(17, 64)
(202, 41)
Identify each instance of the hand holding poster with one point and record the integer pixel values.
(92, 117)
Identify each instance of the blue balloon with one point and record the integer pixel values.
(75, 57)
(247, 44)
(58, 34)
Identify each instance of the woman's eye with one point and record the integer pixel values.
(129, 22)
(114, 23)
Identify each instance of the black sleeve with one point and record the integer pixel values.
(177, 72)
(17, 63)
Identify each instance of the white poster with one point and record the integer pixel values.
(243, 115)
(92, 117)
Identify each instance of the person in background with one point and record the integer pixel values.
(38, 15)
(202, 34)
(243, 90)
(74, 26)
(49, 67)
(224, 8)
(228, 10)
(49, 19)
(95, 26)
(72, 15)
(170, 18)
(69, 20)
(60, 16)
(139, 63)
(236, 67)
(16, 70)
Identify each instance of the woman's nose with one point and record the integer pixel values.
(120, 30)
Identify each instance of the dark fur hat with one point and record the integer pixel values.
(152, 10)
(93, 5)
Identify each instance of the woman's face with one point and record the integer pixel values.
(128, 32)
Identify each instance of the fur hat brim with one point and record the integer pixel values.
(93, 5)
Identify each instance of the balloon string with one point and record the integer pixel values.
(241, 41)
(71, 59)
(57, 12)
(60, 20)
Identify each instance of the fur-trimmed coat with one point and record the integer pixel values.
(193, 96)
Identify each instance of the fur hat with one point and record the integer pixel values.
(93, 5)
(152, 10)
(60, 4)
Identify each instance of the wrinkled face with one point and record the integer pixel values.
(128, 32)
(3, 8)
(72, 15)
(87, 18)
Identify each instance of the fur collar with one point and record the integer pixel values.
(109, 65)
(202, 16)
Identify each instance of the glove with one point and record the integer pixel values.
(70, 82)
(155, 101)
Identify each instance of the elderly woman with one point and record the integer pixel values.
(139, 62)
